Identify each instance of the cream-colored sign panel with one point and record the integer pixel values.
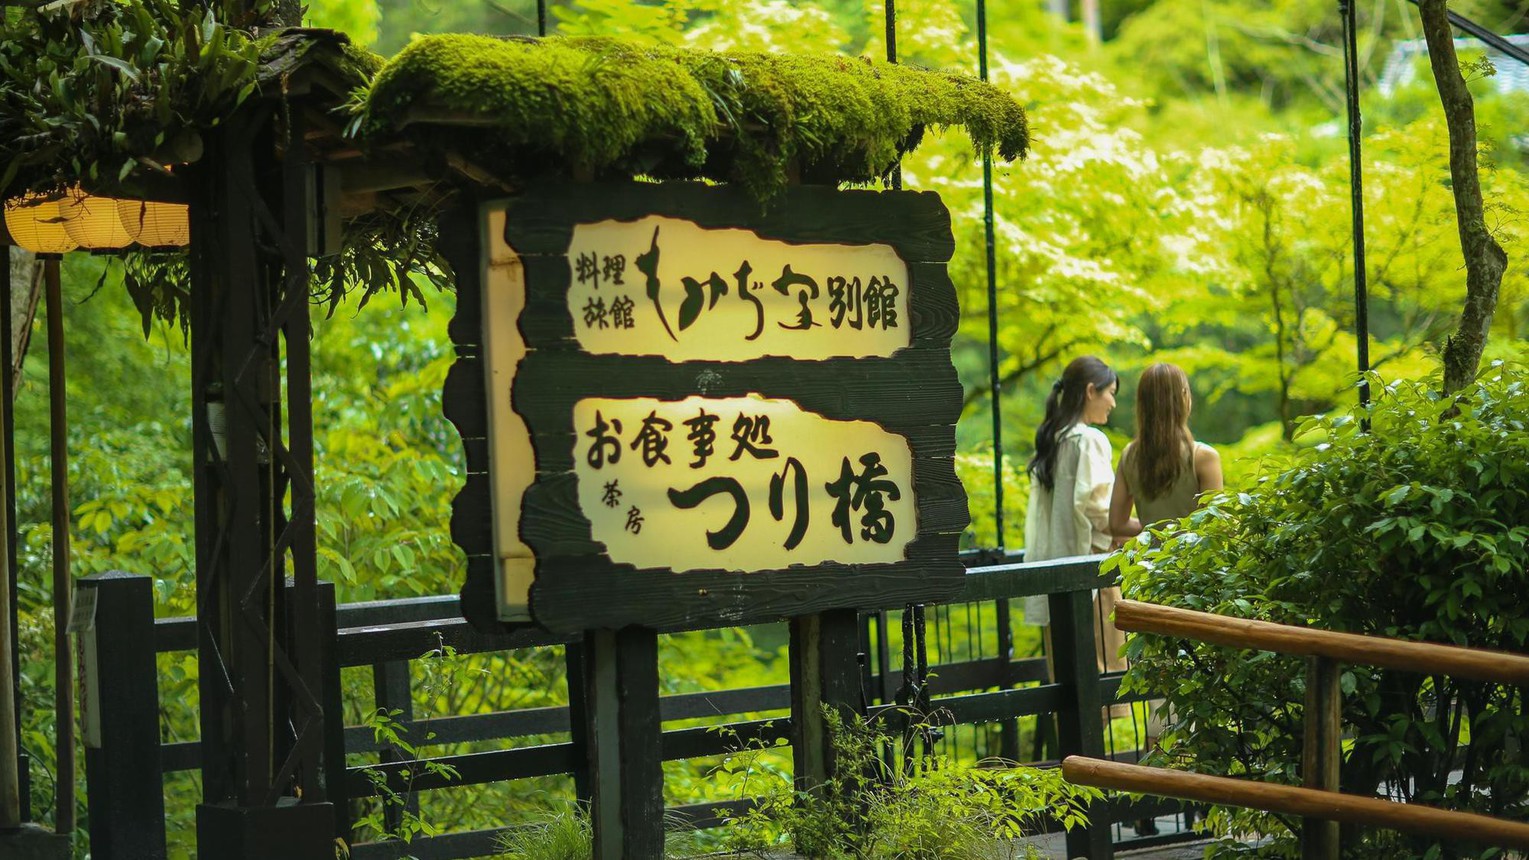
(664, 286)
(513, 463)
(742, 483)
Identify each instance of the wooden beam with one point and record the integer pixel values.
(1290, 800)
(476, 173)
(1498, 667)
(382, 176)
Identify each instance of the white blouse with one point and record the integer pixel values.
(1072, 518)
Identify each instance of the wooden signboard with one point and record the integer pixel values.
(681, 410)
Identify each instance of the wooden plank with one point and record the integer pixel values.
(914, 223)
(1002, 705)
(706, 741)
(361, 646)
(464, 392)
(1291, 800)
(916, 388)
(446, 846)
(597, 591)
(472, 769)
(1497, 667)
(1033, 579)
(459, 244)
(1321, 752)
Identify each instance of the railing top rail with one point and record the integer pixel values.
(1288, 799)
(381, 621)
(1027, 579)
(1498, 667)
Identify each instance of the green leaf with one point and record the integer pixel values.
(120, 65)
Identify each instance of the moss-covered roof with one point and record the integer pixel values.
(596, 106)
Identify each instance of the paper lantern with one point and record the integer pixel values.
(94, 222)
(36, 225)
(156, 225)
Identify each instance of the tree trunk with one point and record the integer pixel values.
(1485, 260)
(26, 287)
(1089, 10)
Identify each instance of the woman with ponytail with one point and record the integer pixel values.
(1070, 484)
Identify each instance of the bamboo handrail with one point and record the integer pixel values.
(1306, 802)
(1497, 667)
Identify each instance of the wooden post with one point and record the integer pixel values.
(261, 700)
(1080, 726)
(63, 581)
(121, 720)
(1008, 730)
(578, 715)
(10, 782)
(622, 731)
(394, 692)
(824, 671)
(334, 722)
(1321, 754)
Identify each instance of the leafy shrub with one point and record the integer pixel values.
(935, 810)
(1417, 529)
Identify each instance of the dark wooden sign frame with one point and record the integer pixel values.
(914, 393)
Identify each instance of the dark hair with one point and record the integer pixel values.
(1163, 441)
(1064, 408)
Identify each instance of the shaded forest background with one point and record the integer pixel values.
(1186, 200)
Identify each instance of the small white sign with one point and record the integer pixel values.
(82, 615)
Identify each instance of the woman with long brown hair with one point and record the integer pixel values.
(1163, 472)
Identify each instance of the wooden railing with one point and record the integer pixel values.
(1319, 803)
(386, 637)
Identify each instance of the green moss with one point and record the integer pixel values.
(593, 106)
(750, 118)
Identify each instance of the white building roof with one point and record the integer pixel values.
(1403, 63)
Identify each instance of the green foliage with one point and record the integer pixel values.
(564, 836)
(975, 470)
(401, 20)
(357, 19)
(1416, 530)
(936, 810)
(440, 669)
(387, 463)
(88, 100)
(749, 118)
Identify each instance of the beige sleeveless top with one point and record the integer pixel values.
(1179, 501)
